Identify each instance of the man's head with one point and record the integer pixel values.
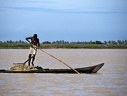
(35, 35)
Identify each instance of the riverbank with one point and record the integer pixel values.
(66, 46)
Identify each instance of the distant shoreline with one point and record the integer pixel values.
(64, 46)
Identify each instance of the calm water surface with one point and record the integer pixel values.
(111, 80)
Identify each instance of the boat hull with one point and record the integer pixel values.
(91, 69)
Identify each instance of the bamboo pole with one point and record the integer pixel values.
(60, 61)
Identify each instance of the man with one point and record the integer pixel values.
(34, 41)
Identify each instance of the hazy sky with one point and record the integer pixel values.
(69, 20)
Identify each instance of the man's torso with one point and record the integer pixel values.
(34, 41)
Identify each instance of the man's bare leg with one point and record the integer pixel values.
(29, 59)
(33, 60)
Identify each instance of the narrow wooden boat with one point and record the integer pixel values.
(21, 68)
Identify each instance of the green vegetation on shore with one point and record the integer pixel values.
(68, 46)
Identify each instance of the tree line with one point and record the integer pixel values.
(77, 42)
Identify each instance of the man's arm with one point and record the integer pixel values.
(38, 43)
(27, 38)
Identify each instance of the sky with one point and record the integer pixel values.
(68, 20)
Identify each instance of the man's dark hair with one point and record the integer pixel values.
(35, 35)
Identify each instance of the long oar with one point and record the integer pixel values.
(59, 61)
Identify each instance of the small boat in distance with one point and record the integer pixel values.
(22, 68)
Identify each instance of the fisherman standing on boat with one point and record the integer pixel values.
(34, 41)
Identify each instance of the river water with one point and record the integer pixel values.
(111, 80)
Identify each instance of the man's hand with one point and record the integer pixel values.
(38, 47)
